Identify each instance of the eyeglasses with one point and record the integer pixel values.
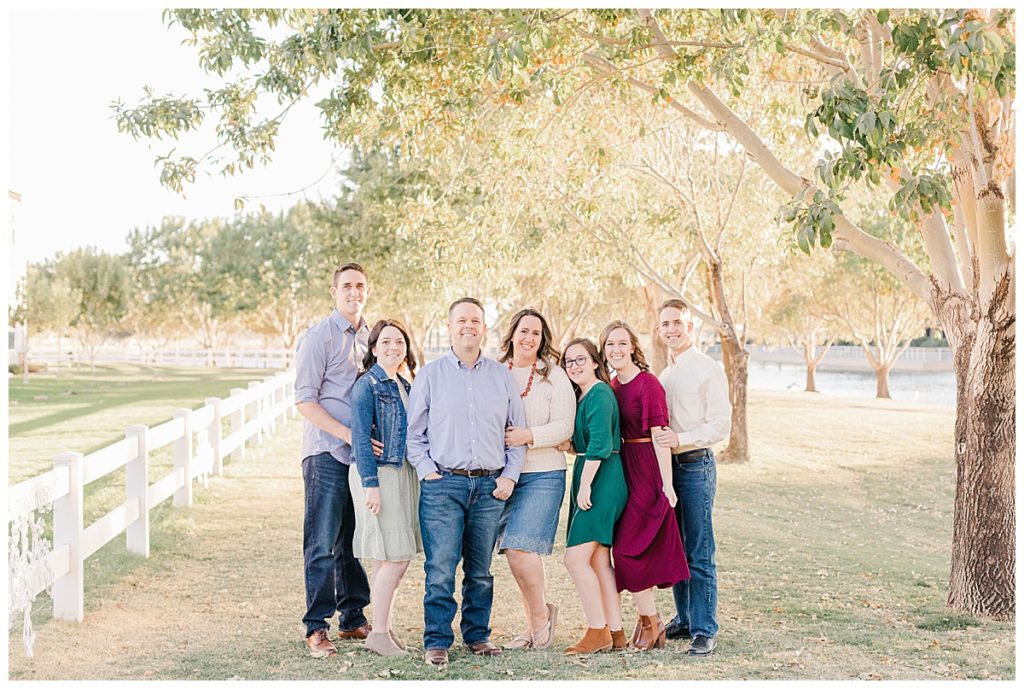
(578, 361)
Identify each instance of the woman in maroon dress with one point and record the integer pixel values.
(647, 548)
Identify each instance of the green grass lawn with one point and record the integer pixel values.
(833, 558)
(82, 412)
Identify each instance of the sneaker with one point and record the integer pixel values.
(677, 630)
(702, 645)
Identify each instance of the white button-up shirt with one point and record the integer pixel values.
(698, 400)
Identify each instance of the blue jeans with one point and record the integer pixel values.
(335, 581)
(458, 520)
(697, 599)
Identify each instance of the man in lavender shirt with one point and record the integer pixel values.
(459, 408)
(325, 370)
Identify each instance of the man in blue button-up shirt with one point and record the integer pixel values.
(459, 408)
(326, 366)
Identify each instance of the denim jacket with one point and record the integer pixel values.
(378, 413)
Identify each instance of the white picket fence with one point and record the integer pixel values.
(200, 447)
(168, 356)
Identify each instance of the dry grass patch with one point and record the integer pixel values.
(833, 559)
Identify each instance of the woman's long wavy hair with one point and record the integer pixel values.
(638, 354)
(547, 355)
(595, 355)
(370, 359)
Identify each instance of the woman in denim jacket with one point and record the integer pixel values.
(387, 525)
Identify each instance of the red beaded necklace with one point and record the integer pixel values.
(529, 381)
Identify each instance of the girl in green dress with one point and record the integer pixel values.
(597, 498)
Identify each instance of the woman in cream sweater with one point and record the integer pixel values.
(528, 525)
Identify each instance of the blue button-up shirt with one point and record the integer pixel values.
(458, 415)
(325, 371)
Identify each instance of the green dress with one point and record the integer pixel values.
(596, 439)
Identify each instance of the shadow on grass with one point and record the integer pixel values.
(108, 390)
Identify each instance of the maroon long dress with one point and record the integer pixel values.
(646, 549)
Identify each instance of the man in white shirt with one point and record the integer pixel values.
(699, 416)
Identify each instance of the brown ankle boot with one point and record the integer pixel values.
(652, 633)
(618, 640)
(593, 641)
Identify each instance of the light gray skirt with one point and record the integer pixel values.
(394, 534)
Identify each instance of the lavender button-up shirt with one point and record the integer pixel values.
(326, 365)
(458, 415)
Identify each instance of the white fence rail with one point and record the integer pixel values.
(852, 358)
(200, 447)
(172, 356)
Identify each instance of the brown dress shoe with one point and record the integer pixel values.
(484, 648)
(652, 633)
(436, 656)
(619, 640)
(594, 641)
(319, 645)
(360, 632)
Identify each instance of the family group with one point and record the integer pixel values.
(468, 456)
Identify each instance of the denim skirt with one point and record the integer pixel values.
(530, 519)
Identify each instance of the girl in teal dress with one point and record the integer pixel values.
(596, 500)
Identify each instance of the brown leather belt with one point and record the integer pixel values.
(636, 440)
(474, 473)
(691, 456)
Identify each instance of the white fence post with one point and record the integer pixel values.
(270, 398)
(216, 435)
(289, 395)
(256, 412)
(137, 486)
(237, 423)
(183, 459)
(68, 523)
(279, 398)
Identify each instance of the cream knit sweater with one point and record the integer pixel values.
(550, 413)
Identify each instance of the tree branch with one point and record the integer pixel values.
(608, 67)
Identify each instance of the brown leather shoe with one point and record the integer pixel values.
(436, 656)
(360, 632)
(484, 648)
(594, 641)
(619, 640)
(319, 645)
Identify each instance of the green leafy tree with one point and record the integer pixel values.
(269, 267)
(919, 99)
(100, 280)
(181, 273)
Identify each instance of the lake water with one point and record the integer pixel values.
(929, 387)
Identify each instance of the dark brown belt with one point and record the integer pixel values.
(474, 473)
(636, 440)
(691, 456)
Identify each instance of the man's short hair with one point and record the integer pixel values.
(675, 304)
(347, 266)
(465, 300)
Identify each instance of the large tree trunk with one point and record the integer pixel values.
(882, 381)
(658, 350)
(983, 563)
(811, 367)
(735, 360)
(811, 362)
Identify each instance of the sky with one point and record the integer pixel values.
(83, 183)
